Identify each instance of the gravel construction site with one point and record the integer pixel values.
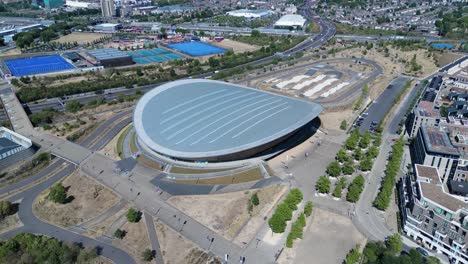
(324, 82)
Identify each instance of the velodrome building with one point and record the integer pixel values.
(204, 120)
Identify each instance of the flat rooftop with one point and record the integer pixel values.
(428, 172)
(436, 194)
(437, 141)
(203, 118)
(425, 108)
(109, 53)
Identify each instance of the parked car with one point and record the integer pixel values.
(422, 251)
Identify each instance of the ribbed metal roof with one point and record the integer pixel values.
(204, 118)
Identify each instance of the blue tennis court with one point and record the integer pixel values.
(172, 56)
(159, 51)
(152, 55)
(157, 58)
(141, 60)
(196, 48)
(37, 65)
(145, 53)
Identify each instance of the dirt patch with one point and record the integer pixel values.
(9, 223)
(331, 120)
(178, 250)
(236, 46)
(88, 199)
(227, 214)
(443, 58)
(81, 38)
(135, 240)
(336, 233)
(10, 52)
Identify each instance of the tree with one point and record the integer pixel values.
(73, 106)
(394, 243)
(347, 168)
(366, 164)
(432, 260)
(323, 184)
(355, 189)
(308, 208)
(365, 140)
(338, 191)
(133, 216)
(357, 155)
(148, 255)
(415, 256)
(58, 194)
(334, 169)
(6, 208)
(372, 152)
(255, 201)
(342, 156)
(119, 233)
(343, 125)
(354, 256)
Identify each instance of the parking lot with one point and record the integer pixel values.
(376, 112)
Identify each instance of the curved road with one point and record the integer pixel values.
(95, 141)
(34, 225)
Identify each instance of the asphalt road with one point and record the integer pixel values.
(33, 225)
(383, 103)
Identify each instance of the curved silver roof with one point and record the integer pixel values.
(196, 118)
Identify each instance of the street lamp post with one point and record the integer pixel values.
(182, 227)
(211, 239)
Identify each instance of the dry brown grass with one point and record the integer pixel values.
(81, 38)
(136, 239)
(226, 214)
(178, 250)
(236, 46)
(104, 226)
(88, 199)
(9, 223)
(244, 176)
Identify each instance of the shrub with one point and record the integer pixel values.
(6, 209)
(343, 125)
(353, 257)
(334, 169)
(119, 233)
(308, 208)
(323, 184)
(347, 168)
(133, 216)
(148, 255)
(284, 211)
(355, 189)
(58, 194)
(366, 164)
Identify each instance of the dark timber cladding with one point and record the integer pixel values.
(214, 121)
(111, 57)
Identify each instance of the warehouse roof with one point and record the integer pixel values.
(204, 118)
(291, 20)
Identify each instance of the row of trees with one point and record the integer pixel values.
(298, 225)
(389, 252)
(382, 201)
(283, 212)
